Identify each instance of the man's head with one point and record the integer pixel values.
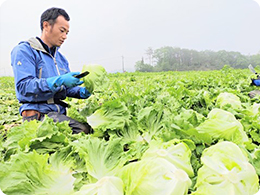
(54, 26)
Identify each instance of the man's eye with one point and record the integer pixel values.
(62, 31)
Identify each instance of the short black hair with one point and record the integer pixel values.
(51, 14)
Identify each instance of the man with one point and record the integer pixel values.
(42, 75)
(255, 93)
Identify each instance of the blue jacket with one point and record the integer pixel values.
(32, 64)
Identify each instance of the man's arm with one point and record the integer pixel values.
(78, 92)
(28, 86)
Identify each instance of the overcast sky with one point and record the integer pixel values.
(102, 31)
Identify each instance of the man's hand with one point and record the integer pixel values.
(69, 80)
(84, 93)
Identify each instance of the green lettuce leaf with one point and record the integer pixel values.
(154, 177)
(50, 136)
(188, 119)
(226, 170)
(222, 124)
(97, 79)
(107, 185)
(226, 99)
(256, 159)
(174, 151)
(112, 115)
(150, 120)
(30, 173)
(18, 137)
(101, 158)
(255, 109)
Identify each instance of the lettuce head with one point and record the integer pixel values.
(101, 158)
(176, 152)
(97, 79)
(226, 170)
(228, 99)
(222, 124)
(107, 185)
(111, 115)
(30, 173)
(154, 177)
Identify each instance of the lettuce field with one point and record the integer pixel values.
(167, 133)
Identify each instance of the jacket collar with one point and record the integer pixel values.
(38, 44)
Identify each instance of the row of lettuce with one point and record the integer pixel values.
(154, 133)
(8, 103)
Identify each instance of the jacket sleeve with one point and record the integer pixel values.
(74, 92)
(28, 86)
(78, 92)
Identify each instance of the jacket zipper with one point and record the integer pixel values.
(56, 65)
(57, 68)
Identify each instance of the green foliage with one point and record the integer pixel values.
(97, 79)
(226, 170)
(155, 130)
(30, 173)
(8, 102)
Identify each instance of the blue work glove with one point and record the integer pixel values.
(256, 82)
(69, 80)
(84, 93)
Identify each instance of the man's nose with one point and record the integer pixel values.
(64, 36)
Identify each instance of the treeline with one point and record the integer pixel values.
(177, 59)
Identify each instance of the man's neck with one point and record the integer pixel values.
(43, 38)
(46, 47)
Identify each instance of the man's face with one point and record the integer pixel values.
(57, 33)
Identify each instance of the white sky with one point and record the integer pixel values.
(102, 31)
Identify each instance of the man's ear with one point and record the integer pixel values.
(45, 25)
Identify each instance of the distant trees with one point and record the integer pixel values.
(142, 67)
(174, 58)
